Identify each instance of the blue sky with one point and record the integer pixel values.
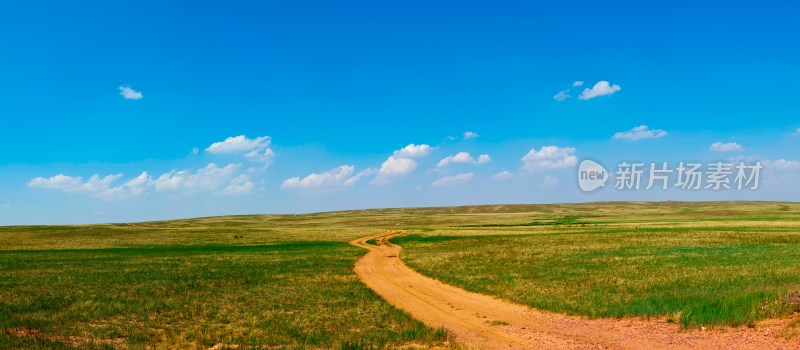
(318, 86)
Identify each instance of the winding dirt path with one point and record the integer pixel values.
(483, 322)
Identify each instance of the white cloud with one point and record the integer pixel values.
(502, 176)
(208, 179)
(400, 163)
(392, 168)
(338, 177)
(257, 149)
(413, 151)
(138, 185)
(463, 157)
(470, 135)
(578, 83)
(453, 180)
(562, 95)
(262, 156)
(205, 179)
(129, 93)
(467, 135)
(355, 179)
(600, 89)
(96, 186)
(549, 157)
(239, 144)
(782, 164)
(725, 147)
(640, 132)
(549, 182)
(240, 185)
(65, 182)
(797, 132)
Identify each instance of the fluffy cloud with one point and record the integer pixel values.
(453, 180)
(96, 186)
(413, 151)
(562, 95)
(129, 93)
(206, 179)
(66, 183)
(257, 149)
(355, 179)
(69, 183)
(502, 176)
(640, 132)
(138, 185)
(549, 157)
(239, 144)
(725, 147)
(602, 88)
(337, 177)
(467, 135)
(394, 167)
(782, 164)
(400, 163)
(577, 83)
(463, 157)
(240, 185)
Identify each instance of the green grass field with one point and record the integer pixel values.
(286, 281)
(186, 285)
(700, 265)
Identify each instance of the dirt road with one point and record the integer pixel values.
(483, 322)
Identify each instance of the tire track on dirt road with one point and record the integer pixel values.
(484, 322)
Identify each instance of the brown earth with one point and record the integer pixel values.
(482, 322)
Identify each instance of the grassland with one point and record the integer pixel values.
(286, 281)
(712, 264)
(185, 285)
